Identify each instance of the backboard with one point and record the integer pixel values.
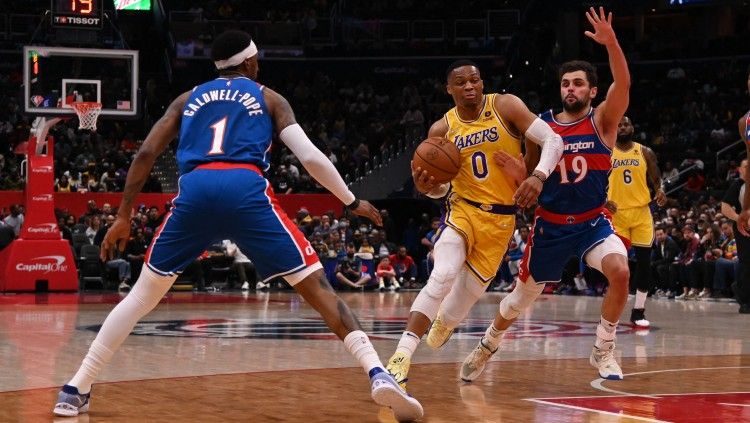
(54, 77)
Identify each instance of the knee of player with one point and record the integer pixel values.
(619, 275)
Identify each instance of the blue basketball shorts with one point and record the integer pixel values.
(229, 201)
(551, 245)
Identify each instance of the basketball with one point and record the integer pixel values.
(439, 157)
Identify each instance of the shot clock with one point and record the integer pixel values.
(77, 14)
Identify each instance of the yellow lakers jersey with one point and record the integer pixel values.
(628, 183)
(479, 178)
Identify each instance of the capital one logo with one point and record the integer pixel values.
(44, 264)
(42, 169)
(44, 228)
(43, 197)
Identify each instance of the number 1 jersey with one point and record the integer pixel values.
(580, 180)
(225, 120)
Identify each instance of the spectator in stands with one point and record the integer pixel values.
(664, 252)
(382, 247)
(683, 271)
(95, 224)
(15, 219)
(366, 249)
(243, 266)
(386, 273)
(404, 266)
(349, 270)
(135, 252)
(154, 219)
(64, 185)
(727, 265)
(64, 231)
(123, 269)
(109, 220)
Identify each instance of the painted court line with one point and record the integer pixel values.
(592, 410)
(733, 405)
(597, 383)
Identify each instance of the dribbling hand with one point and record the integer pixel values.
(422, 180)
(365, 209)
(117, 235)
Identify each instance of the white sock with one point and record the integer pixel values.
(640, 299)
(359, 345)
(408, 343)
(145, 295)
(605, 331)
(493, 336)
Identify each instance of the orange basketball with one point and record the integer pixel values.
(439, 157)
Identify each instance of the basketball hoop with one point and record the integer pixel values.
(87, 112)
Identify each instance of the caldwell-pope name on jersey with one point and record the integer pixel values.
(625, 162)
(476, 138)
(248, 101)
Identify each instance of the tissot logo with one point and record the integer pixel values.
(42, 169)
(43, 197)
(44, 264)
(315, 328)
(75, 20)
(43, 228)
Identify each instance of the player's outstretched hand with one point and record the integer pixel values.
(528, 192)
(743, 222)
(602, 23)
(117, 236)
(422, 180)
(515, 167)
(365, 209)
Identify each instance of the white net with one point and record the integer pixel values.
(87, 112)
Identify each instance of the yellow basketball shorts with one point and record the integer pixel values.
(486, 235)
(635, 224)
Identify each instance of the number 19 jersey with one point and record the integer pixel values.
(225, 120)
(580, 180)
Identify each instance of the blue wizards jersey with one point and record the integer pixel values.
(579, 182)
(225, 120)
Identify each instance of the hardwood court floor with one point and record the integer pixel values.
(268, 357)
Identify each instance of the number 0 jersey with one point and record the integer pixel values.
(479, 178)
(628, 186)
(225, 120)
(579, 182)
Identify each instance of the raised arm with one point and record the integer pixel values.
(319, 166)
(654, 175)
(611, 110)
(157, 140)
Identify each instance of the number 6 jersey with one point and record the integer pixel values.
(628, 183)
(580, 180)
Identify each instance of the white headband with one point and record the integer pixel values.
(238, 58)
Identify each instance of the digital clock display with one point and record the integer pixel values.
(77, 13)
